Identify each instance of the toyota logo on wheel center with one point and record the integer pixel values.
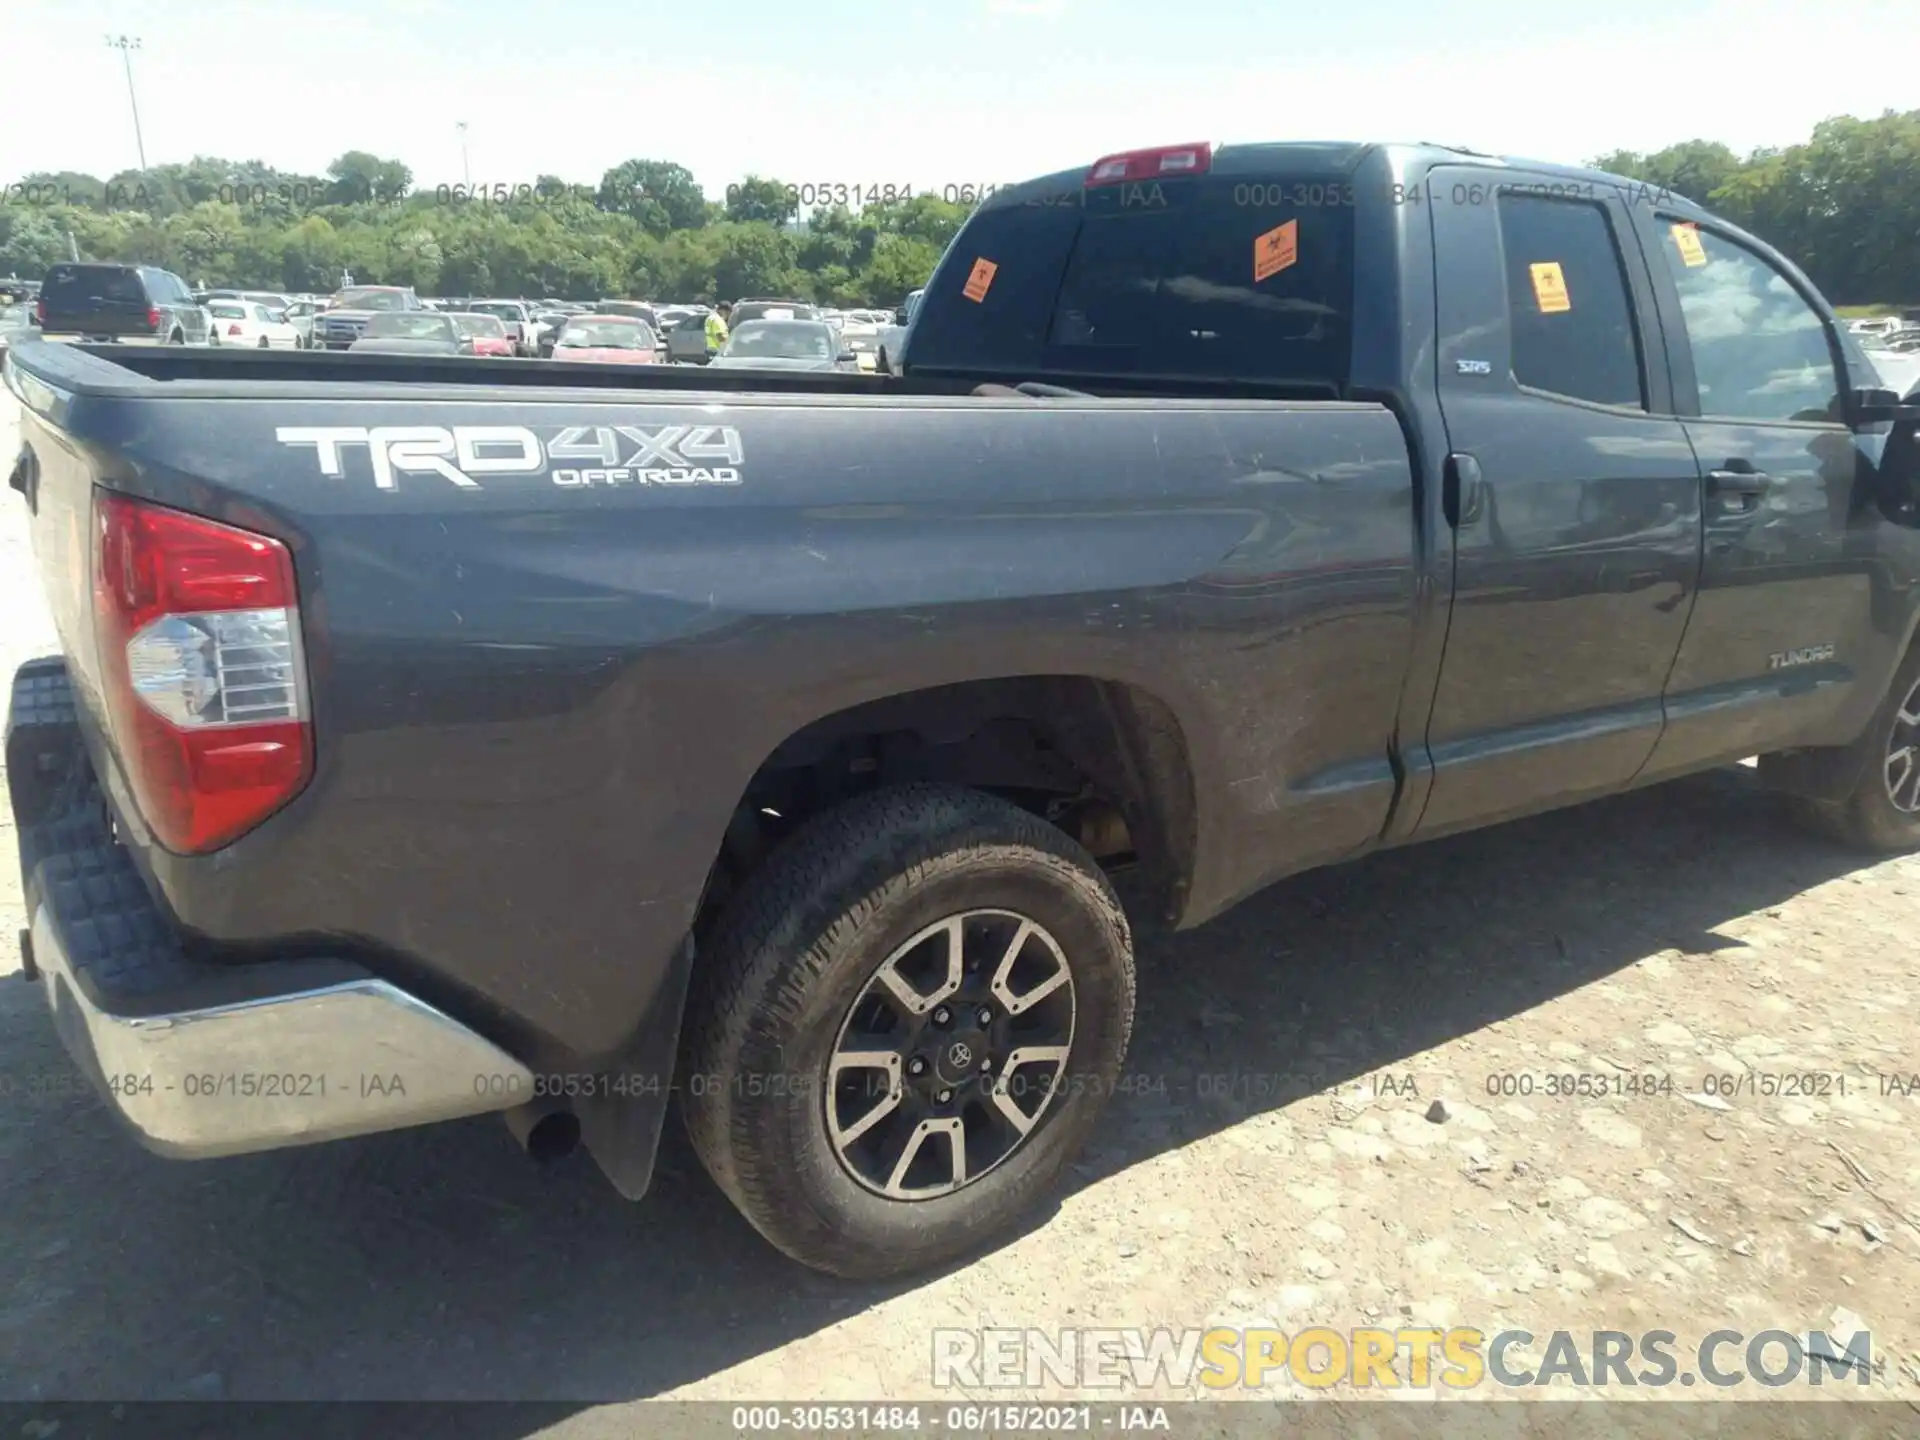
(960, 1055)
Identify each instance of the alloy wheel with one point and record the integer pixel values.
(951, 1054)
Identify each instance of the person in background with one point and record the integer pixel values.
(717, 327)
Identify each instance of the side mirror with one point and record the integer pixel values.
(847, 355)
(1877, 406)
(900, 316)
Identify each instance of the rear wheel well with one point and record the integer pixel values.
(1104, 761)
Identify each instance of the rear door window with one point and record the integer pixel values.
(1567, 301)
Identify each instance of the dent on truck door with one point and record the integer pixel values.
(1783, 635)
(1577, 537)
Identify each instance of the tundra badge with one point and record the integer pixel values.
(1808, 655)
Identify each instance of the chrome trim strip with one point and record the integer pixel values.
(294, 1069)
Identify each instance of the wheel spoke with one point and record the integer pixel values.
(1908, 714)
(954, 937)
(1003, 1101)
(1002, 986)
(883, 1060)
(925, 1131)
(1897, 781)
(1913, 788)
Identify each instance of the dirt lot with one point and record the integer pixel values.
(1274, 1167)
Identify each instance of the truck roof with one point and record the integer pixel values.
(1343, 157)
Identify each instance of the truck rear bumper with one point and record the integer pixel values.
(199, 1058)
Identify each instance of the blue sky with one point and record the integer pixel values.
(911, 91)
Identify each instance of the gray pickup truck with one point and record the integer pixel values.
(438, 736)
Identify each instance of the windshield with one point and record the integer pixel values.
(368, 300)
(781, 340)
(227, 310)
(478, 324)
(606, 335)
(410, 325)
(272, 302)
(500, 308)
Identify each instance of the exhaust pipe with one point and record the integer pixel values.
(546, 1130)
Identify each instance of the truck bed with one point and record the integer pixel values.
(221, 367)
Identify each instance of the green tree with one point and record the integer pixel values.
(31, 240)
(757, 198)
(657, 194)
(360, 176)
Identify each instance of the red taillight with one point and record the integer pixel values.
(40, 311)
(233, 329)
(153, 319)
(198, 626)
(1160, 163)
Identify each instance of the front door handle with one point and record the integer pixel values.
(1738, 485)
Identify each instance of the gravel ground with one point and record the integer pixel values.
(1273, 1167)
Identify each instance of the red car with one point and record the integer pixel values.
(482, 334)
(610, 339)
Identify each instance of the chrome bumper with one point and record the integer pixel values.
(200, 1058)
(294, 1069)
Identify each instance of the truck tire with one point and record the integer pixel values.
(1881, 814)
(866, 1116)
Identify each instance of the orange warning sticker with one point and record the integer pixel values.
(1550, 288)
(1276, 250)
(976, 287)
(1686, 238)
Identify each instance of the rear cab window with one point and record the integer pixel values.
(1244, 273)
(74, 286)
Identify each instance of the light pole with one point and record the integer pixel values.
(466, 175)
(126, 45)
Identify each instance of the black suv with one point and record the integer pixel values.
(121, 302)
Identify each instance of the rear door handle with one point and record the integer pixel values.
(1461, 490)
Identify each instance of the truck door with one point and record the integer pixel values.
(1573, 494)
(1784, 636)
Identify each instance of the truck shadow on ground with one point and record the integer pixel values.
(440, 1264)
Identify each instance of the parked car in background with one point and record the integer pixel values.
(515, 315)
(121, 302)
(411, 332)
(632, 309)
(344, 317)
(550, 323)
(784, 345)
(16, 323)
(484, 334)
(1895, 360)
(864, 341)
(607, 339)
(300, 313)
(904, 315)
(243, 322)
(1875, 325)
(764, 309)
